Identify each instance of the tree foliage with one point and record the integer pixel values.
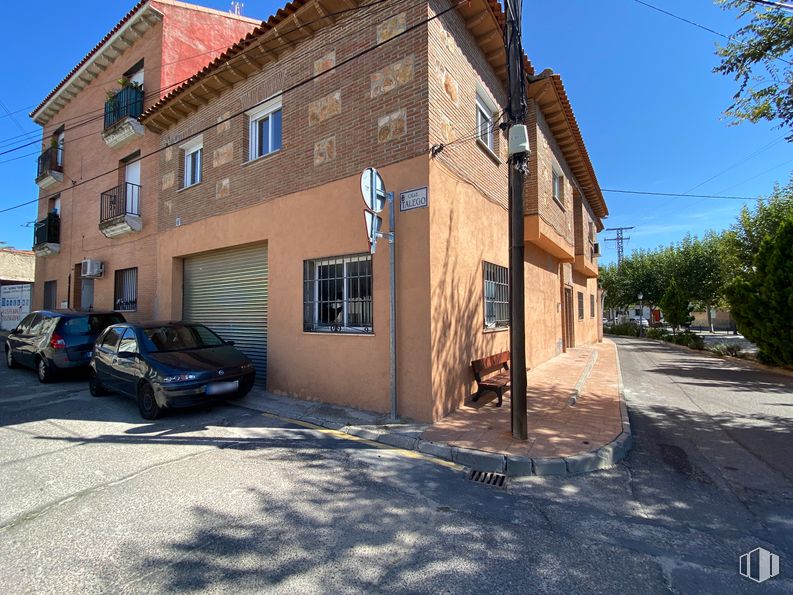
(675, 306)
(762, 297)
(758, 56)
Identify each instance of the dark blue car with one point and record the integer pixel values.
(168, 365)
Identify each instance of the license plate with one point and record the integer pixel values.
(219, 388)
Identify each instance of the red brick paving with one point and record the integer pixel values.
(556, 428)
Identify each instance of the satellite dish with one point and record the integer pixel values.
(373, 190)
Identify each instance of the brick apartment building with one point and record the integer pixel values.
(95, 238)
(260, 226)
(254, 206)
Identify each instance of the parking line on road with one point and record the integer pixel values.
(339, 435)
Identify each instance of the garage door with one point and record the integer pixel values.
(227, 291)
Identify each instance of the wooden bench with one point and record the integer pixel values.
(492, 374)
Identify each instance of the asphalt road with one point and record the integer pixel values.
(93, 499)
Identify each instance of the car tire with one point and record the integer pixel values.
(95, 385)
(44, 371)
(147, 403)
(10, 361)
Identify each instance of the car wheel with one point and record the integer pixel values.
(147, 403)
(10, 361)
(43, 370)
(95, 385)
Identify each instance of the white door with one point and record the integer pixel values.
(132, 176)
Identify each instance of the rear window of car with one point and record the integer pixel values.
(90, 324)
(175, 337)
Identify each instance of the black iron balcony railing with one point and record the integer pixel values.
(50, 160)
(118, 201)
(128, 102)
(47, 231)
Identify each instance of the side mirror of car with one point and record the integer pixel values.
(230, 343)
(13, 331)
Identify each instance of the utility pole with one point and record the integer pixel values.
(518, 167)
(620, 239)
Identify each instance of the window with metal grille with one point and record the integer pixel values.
(592, 306)
(337, 294)
(580, 305)
(126, 294)
(496, 287)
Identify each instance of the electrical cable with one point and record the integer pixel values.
(338, 65)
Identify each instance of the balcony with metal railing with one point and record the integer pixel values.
(121, 116)
(119, 210)
(47, 235)
(50, 167)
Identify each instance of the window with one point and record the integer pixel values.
(59, 141)
(558, 187)
(264, 132)
(112, 339)
(50, 292)
(129, 343)
(193, 158)
(55, 204)
(580, 305)
(126, 293)
(638, 311)
(591, 306)
(337, 294)
(484, 122)
(496, 294)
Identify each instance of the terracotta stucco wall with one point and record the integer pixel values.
(327, 221)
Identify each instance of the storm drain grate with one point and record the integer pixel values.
(492, 479)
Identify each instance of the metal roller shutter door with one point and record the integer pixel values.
(227, 291)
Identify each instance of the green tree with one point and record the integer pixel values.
(742, 241)
(758, 57)
(762, 297)
(675, 306)
(698, 268)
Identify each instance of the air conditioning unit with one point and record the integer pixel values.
(91, 269)
(597, 249)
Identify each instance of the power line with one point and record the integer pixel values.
(289, 89)
(678, 195)
(155, 92)
(703, 27)
(781, 5)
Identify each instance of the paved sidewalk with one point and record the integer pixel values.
(577, 421)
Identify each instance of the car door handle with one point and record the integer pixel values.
(115, 360)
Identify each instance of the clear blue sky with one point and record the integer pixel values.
(640, 82)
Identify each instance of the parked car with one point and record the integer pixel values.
(168, 365)
(53, 340)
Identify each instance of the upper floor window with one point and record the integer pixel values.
(58, 142)
(557, 187)
(485, 125)
(264, 132)
(193, 160)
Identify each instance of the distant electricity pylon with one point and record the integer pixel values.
(620, 240)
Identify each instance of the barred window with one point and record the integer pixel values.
(337, 294)
(496, 281)
(592, 306)
(126, 294)
(580, 305)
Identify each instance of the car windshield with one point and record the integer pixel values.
(178, 337)
(90, 324)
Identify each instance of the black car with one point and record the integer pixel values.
(168, 364)
(53, 340)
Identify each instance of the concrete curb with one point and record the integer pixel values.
(576, 393)
(409, 438)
